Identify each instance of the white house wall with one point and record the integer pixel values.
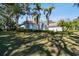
(55, 28)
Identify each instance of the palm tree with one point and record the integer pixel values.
(36, 13)
(5, 13)
(9, 10)
(47, 12)
(16, 13)
(12, 10)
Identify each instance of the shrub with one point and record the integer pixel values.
(1, 29)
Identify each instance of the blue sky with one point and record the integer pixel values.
(62, 10)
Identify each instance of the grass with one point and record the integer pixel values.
(35, 43)
(73, 30)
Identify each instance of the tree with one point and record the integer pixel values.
(75, 24)
(47, 12)
(12, 10)
(1, 23)
(36, 13)
(62, 24)
(8, 11)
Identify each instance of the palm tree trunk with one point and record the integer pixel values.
(17, 18)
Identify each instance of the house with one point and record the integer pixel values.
(54, 26)
(29, 25)
(33, 25)
(41, 26)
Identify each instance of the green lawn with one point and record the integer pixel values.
(37, 43)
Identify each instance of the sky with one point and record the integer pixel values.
(61, 11)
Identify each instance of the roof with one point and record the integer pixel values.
(53, 24)
(32, 22)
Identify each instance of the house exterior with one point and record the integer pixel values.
(34, 26)
(41, 26)
(56, 28)
(30, 25)
(53, 26)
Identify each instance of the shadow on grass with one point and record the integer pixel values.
(74, 38)
(7, 45)
(11, 43)
(34, 50)
(61, 45)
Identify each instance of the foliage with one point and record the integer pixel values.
(47, 12)
(69, 25)
(37, 13)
